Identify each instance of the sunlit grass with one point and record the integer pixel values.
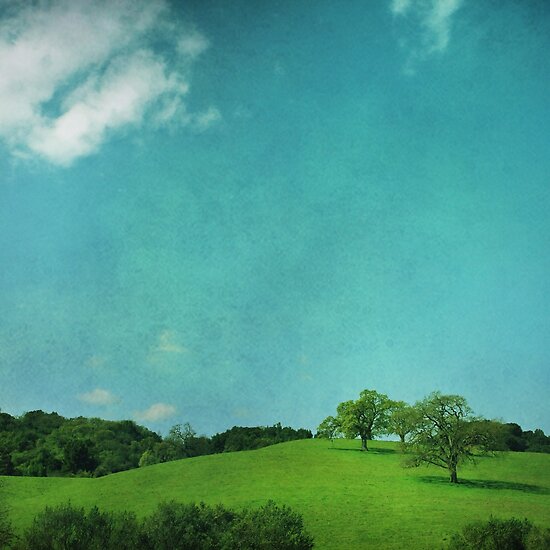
(349, 499)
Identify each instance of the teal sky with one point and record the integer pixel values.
(246, 212)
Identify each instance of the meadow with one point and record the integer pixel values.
(348, 498)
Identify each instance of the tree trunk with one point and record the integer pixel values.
(364, 444)
(453, 476)
(402, 436)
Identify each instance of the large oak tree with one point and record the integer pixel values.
(447, 434)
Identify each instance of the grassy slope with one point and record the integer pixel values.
(349, 499)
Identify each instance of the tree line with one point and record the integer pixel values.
(38, 443)
(440, 430)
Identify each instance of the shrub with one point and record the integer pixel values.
(538, 539)
(6, 531)
(270, 527)
(173, 526)
(65, 528)
(501, 534)
(176, 526)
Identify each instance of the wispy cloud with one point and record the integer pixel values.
(434, 22)
(98, 397)
(203, 121)
(400, 7)
(168, 343)
(157, 411)
(73, 72)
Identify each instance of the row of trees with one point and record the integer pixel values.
(440, 430)
(47, 444)
(183, 442)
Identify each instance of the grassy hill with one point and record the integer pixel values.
(349, 499)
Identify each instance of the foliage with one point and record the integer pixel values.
(245, 439)
(501, 534)
(329, 429)
(270, 526)
(176, 526)
(447, 433)
(510, 437)
(6, 530)
(172, 526)
(46, 444)
(403, 420)
(67, 528)
(366, 417)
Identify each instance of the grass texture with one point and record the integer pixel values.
(348, 498)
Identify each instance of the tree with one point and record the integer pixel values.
(180, 436)
(403, 420)
(447, 433)
(366, 417)
(79, 456)
(329, 428)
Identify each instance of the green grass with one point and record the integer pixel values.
(348, 499)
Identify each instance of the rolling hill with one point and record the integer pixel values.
(348, 499)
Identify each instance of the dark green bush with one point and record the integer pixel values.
(68, 528)
(176, 526)
(270, 526)
(173, 526)
(501, 534)
(6, 531)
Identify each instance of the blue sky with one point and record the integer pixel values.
(244, 213)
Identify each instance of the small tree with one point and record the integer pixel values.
(447, 433)
(180, 437)
(403, 420)
(366, 417)
(329, 428)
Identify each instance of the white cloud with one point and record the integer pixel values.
(75, 71)
(400, 7)
(438, 23)
(203, 121)
(192, 45)
(157, 411)
(98, 397)
(168, 343)
(434, 22)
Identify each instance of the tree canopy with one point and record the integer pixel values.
(366, 417)
(447, 433)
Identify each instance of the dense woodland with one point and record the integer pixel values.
(47, 444)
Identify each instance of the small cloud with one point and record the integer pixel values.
(192, 45)
(400, 7)
(95, 361)
(242, 111)
(167, 343)
(241, 413)
(204, 120)
(279, 69)
(157, 411)
(98, 397)
(434, 21)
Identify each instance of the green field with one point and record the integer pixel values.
(349, 499)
